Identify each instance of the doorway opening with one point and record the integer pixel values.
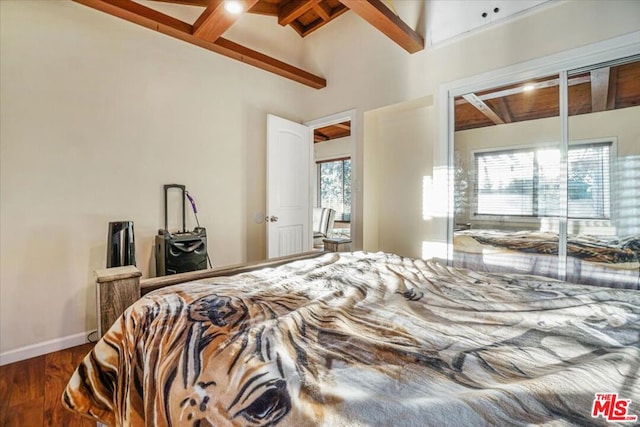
(332, 178)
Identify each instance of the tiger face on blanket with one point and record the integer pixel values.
(362, 339)
(232, 361)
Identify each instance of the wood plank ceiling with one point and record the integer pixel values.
(606, 88)
(304, 16)
(327, 133)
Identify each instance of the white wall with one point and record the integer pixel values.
(97, 114)
(399, 179)
(332, 149)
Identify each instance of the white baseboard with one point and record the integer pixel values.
(39, 349)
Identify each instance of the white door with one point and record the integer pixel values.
(289, 159)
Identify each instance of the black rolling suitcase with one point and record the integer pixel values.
(182, 251)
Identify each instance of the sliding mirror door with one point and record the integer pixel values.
(547, 176)
(507, 192)
(603, 225)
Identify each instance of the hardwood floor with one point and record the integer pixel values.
(30, 390)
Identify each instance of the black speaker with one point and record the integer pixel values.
(121, 248)
(181, 252)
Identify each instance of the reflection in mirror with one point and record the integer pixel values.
(522, 200)
(507, 172)
(603, 246)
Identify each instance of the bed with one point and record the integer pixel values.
(361, 339)
(591, 260)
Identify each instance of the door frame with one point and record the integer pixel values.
(332, 120)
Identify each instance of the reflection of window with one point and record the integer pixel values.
(526, 182)
(334, 187)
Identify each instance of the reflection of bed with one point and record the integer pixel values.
(590, 260)
(364, 339)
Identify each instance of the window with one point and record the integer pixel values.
(334, 187)
(526, 182)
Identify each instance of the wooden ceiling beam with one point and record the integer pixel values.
(319, 136)
(323, 10)
(263, 8)
(381, 17)
(215, 20)
(203, 3)
(524, 87)
(141, 15)
(503, 110)
(613, 88)
(294, 9)
(300, 29)
(165, 24)
(318, 23)
(260, 60)
(481, 106)
(599, 89)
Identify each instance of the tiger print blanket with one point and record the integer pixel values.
(364, 339)
(588, 248)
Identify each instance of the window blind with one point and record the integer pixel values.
(526, 182)
(589, 181)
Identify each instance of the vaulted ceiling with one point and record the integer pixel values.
(303, 16)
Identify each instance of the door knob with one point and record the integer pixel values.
(271, 218)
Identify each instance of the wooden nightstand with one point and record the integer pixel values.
(337, 245)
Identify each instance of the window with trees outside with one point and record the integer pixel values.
(334, 187)
(526, 182)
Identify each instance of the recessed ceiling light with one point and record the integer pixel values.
(528, 88)
(233, 6)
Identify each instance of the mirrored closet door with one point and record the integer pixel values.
(507, 170)
(603, 176)
(546, 174)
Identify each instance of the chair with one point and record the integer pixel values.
(322, 224)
